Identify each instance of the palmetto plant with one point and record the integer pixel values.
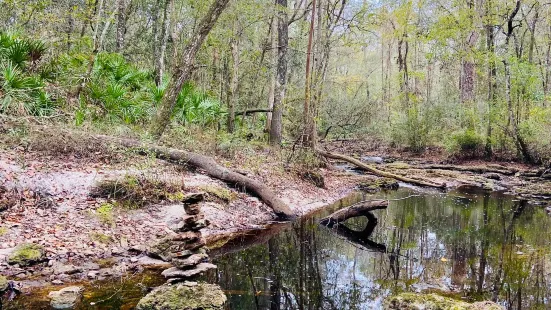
(22, 87)
(197, 107)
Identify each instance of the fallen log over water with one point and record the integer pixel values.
(359, 209)
(378, 172)
(213, 169)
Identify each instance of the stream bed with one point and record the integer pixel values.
(468, 245)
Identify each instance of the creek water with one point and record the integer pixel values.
(466, 245)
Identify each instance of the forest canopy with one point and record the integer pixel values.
(471, 77)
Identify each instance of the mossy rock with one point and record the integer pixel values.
(3, 284)
(412, 301)
(184, 296)
(27, 254)
(314, 178)
(218, 192)
(378, 184)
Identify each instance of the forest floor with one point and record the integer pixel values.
(47, 185)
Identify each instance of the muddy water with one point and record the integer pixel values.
(471, 246)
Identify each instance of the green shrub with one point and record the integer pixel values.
(466, 143)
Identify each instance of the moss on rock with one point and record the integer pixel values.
(27, 254)
(378, 184)
(3, 284)
(184, 296)
(412, 301)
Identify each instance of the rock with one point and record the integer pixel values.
(493, 176)
(60, 268)
(190, 261)
(191, 199)
(315, 178)
(3, 284)
(179, 273)
(27, 254)
(166, 247)
(189, 297)
(378, 184)
(57, 282)
(412, 301)
(372, 159)
(190, 222)
(66, 298)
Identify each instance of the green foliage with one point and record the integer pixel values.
(105, 214)
(197, 107)
(22, 77)
(413, 128)
(466, 143)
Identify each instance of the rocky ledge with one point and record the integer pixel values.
(413, 301)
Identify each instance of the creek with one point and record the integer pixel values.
(468, 245)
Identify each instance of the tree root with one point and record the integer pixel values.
(359, 209)
(378, 172)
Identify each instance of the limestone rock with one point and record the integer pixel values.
(27, 254)
(66, 298)
(184, 297)
(192, 260)
(412, 301)
(60, 268)
(192, 199)
(166, 247)
(179, 273)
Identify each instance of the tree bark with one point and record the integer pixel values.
(121, 25)
(279, 96)
(213, 169)
(234, 82)
(273, 75)
(309, 131)
(378, 172)
(160, 61)
(185, 69)
(355, 210)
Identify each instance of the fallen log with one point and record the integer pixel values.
(213, 169)
(252, 111)
(474, 169)
(359, 209)
(378, 172)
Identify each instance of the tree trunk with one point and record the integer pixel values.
(184, 70)
(355, 210)
(160, 61)
(492, 73)
(234, 82)
(309, 131)
(121, 25)
(378, 172)
(273, 75)
(279, 96)
(213, 169)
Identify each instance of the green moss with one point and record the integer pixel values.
(105, 262)
(181, 296)
(3, 231)
(3, 283)
(398, 165)
(101, 238)
(105, 213)
(137, 191)
(219, 192)
(412, 301)
(27, 254)
(378, 184)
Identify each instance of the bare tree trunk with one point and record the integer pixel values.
(234, 82)
(492, 86)
(185, 69)
(468, 66)
(155, 29)
(160, 61)
(96, 40)
(309, 134)
(121, 24)
(273, 75)
(279, 96)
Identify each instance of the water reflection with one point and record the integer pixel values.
(472, 245)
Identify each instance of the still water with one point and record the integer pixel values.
(467, 245)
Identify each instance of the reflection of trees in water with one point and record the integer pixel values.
(308, 267)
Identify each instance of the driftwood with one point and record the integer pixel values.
(213, 169)
(378, 172)
(359, 209)
(474, 169)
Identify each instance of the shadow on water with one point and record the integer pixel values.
(472, 245)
